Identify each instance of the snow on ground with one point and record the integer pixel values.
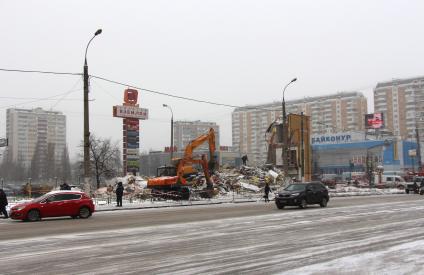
(383, 238)
(386, 261)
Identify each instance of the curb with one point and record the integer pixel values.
(166, 206)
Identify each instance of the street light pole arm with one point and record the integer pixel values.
(285, 87)
(86, 49)
(284, 90)
(169, 107)
(99, 31)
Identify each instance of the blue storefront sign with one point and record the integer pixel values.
(332, 139)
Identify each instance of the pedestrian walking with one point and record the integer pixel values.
(244, 159)
(3, 204)
(119, 193)
(267, 190)
(109, 191)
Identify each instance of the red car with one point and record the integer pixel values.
(54, 204)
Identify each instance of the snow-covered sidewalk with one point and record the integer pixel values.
(340, 191)
(101, 205)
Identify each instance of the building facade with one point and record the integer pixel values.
(186, 131)
(402, 103)
(343, 153)
(333, 113)
(36, 138)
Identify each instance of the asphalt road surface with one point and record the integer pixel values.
(357, 235)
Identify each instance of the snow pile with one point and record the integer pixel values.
(348, 191)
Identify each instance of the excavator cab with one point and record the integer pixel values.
(166, 171)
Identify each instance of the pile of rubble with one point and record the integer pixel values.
(241, 180)
(134, 186)
(250, 179)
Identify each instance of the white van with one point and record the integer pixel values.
(392, 181)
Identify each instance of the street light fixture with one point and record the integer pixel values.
(172, 131)
(284, 154)
(86, 114)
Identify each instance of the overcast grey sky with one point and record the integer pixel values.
(234, 52)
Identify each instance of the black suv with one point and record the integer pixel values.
(417, 186)
(302, 194)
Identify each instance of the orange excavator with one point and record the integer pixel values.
(171, 182)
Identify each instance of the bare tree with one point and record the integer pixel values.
(51, 171)
(38, 164)
(105, 158)
(14, 171)
(65, 172)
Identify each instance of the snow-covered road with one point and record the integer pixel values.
(383, 237)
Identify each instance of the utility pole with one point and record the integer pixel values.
(284, 145)
(285, 133)
(172, 131)
(172, 136)
(302, 152)
(417, 135)
(86, 125)
(86, 115)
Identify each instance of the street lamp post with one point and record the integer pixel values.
(172, 131)
(284, 154)
(370, 166)
(86, 114)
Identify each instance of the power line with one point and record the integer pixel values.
(65, 95)
(41, 99)
(136, 87)
(39, 72)
(164, 94)
(38, 98)
(147, 90)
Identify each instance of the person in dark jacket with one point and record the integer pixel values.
(3, 203)
(267, 190)
(119, 193)
(65, 186)
(244, 159)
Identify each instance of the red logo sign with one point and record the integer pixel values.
(130, 96)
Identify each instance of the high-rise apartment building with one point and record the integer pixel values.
(186, 131)
(36, 137)
(329, 114)
(402, 103)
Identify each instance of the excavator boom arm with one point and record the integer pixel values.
(210, 137)
(188, 156)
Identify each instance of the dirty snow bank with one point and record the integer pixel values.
(348, 191)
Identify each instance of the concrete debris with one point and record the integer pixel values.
(250, 187)
(132, 185)
(243, 179)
